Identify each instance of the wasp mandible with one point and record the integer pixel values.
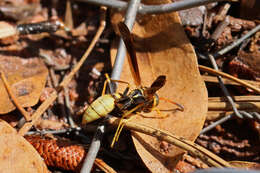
(140, 99)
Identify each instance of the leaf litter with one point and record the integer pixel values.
(27, 78)
(155, 40)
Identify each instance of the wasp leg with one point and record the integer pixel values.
(161, 116)
(181, 108)
(118, 131)
(104, 88)
(121, 124)
(108, 81)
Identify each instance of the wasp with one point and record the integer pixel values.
(140, 99)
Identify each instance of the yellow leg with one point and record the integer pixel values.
(108, 80)
(118, 131)
(104, 88)
(161, 116)
(121, 124)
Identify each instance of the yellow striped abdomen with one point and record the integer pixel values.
(102, 106)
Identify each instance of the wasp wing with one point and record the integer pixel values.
(128, 40)
(157, 84)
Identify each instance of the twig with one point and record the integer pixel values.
(212, 57)
(153, 9)
(253, 98)
(194, 149)
(44, 106)
(215, 115)
(244, 114)
(216, 72)
(93, 150)
(205, 21)
(96, 141)
(223, 87)
(103, 166)
(222, 12)
(237, 42)
(37, 114)
(220, 28)
(13, 98)
(214, 79)
(218, 122)
(62, 131)
(225, 106)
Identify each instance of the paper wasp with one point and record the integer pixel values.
(141, 99)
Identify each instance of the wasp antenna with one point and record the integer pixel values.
(181, 108)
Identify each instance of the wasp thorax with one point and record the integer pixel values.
(137, 96)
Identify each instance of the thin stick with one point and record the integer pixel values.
(237, 42)
(254, 98)
(215, 72)
(154, 9)
(45, 105)
(218, 122)
(103, 166)
(37, 114)
(215, 115)
(225, 106)
(220, 29)
(194, 149)
(14, 99)
(214, 79)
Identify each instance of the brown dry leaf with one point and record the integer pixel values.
(27, 79)
(163, 49)
(18, 155)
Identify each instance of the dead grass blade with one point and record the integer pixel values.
(194, 149)
(215, 72)
(214, 79)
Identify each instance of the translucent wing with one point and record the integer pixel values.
(156, 85)
(128, 40)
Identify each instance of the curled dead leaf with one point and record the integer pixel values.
(18, 155)
(27, 78)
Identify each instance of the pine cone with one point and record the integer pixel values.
(59, 153)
